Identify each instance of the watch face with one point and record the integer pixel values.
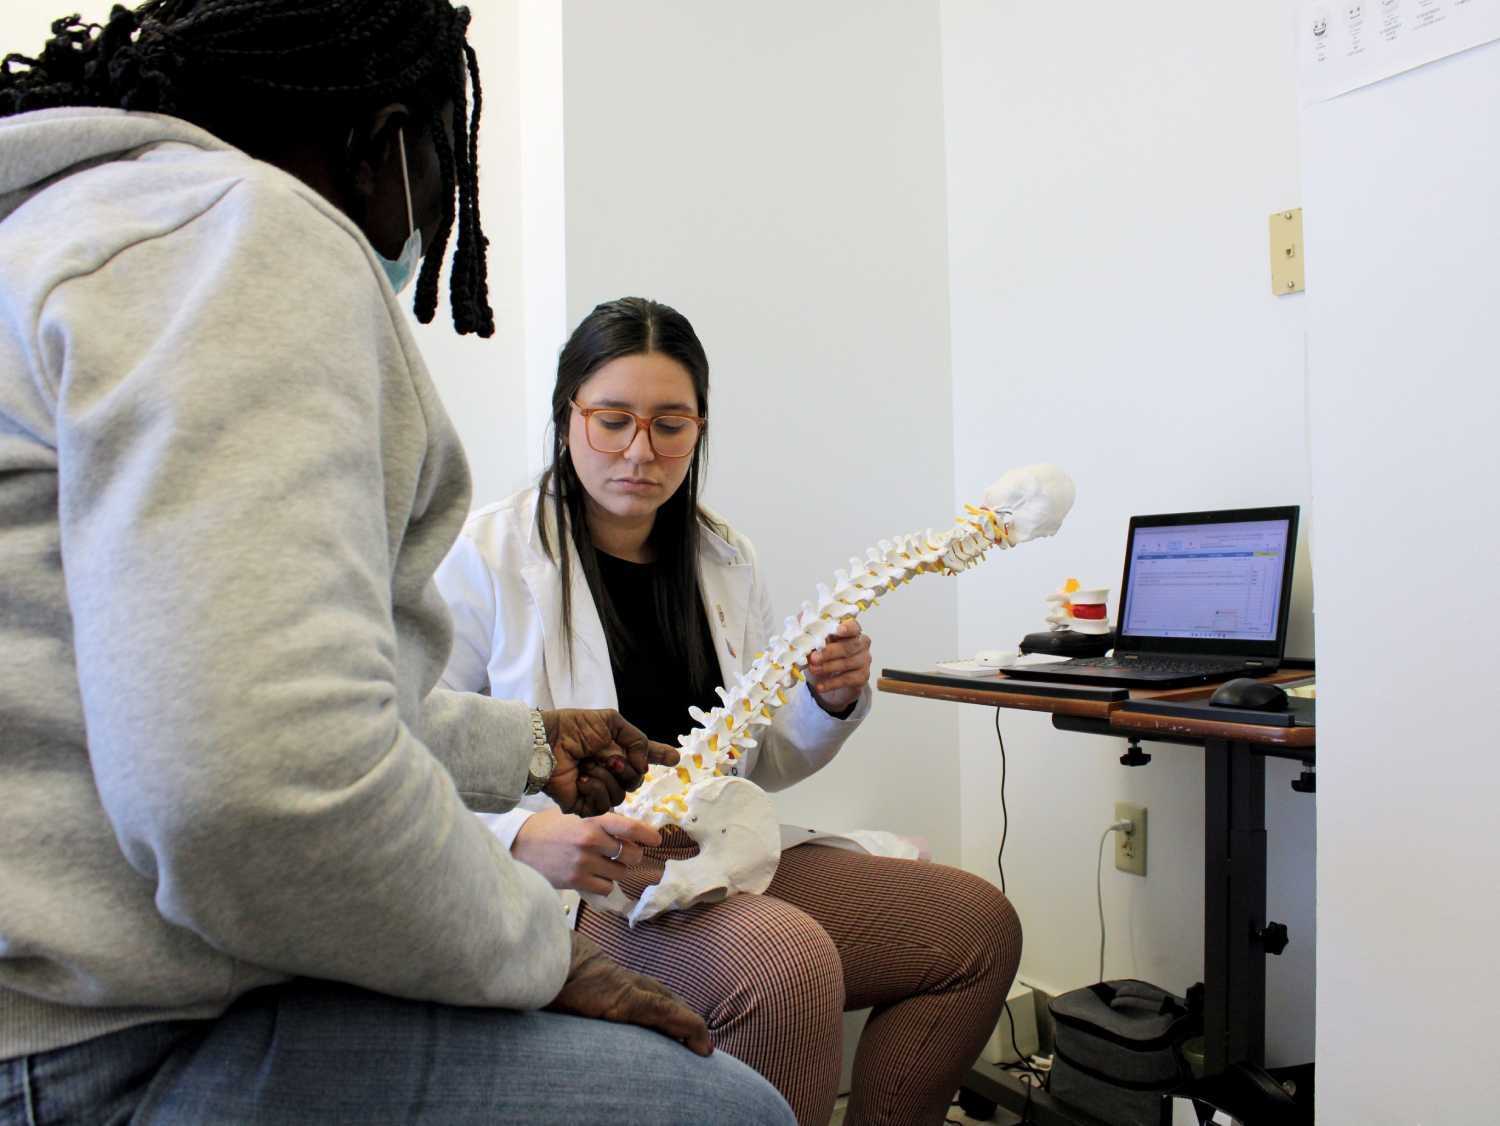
(542, 762)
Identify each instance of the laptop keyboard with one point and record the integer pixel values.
(1156, 663)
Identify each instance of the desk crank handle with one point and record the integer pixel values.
(1273, 938)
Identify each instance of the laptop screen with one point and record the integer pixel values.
(1220, 581)
(1208, 582)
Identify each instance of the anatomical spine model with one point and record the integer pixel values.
(732, 819)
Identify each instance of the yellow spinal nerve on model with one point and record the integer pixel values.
(731, 819)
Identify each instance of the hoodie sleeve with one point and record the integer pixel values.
(243, 458)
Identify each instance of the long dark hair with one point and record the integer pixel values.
(631, 326)
(247, 69)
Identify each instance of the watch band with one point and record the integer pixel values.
(541, 753)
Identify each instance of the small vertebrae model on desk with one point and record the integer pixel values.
(731, 819)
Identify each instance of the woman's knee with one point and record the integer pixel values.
(785, 971)
(982, 932)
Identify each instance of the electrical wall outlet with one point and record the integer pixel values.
(1130, 848)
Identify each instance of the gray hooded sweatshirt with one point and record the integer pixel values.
(225, 483)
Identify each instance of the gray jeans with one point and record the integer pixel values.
(314, 1053)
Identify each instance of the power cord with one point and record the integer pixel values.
(1004, 813)
(1038, 1079)
(1035, 1076)
(1126, 827)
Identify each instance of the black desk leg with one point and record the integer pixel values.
(1234, 964)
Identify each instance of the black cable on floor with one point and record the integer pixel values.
(1024, 1062)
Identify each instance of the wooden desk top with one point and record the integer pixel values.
(1145, 724)
(1118, 714)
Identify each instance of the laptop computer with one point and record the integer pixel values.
(1205, 597)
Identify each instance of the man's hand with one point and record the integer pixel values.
(585, 854)
(838, 672)
(599, 988)
(600, 758)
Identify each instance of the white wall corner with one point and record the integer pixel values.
(544, 220)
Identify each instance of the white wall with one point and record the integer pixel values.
(25, 24)
(1401, 183)
(1109, 183)
(543, 189)
(776, 173)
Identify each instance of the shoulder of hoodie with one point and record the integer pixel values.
(82, 218)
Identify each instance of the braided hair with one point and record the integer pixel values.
(246, 69)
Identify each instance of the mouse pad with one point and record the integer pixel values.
(1299, 713)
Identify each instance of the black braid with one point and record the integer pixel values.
(472, 235)
(239, 67)
(425, 305)
(469, 283)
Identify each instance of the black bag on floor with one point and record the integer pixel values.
(1118, 1050)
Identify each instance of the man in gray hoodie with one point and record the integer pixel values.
(238, 877)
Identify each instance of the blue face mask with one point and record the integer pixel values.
(401, 271)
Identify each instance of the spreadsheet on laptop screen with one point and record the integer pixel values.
(1206, 580)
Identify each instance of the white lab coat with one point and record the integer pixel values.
(505, 595)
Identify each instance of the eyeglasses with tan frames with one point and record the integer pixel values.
(611, 430)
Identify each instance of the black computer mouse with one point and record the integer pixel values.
(1252, 695)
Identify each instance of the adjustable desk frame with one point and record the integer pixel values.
(1234, 968)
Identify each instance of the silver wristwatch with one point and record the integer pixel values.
(542, 759)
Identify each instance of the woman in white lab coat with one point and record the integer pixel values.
(609, 585)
